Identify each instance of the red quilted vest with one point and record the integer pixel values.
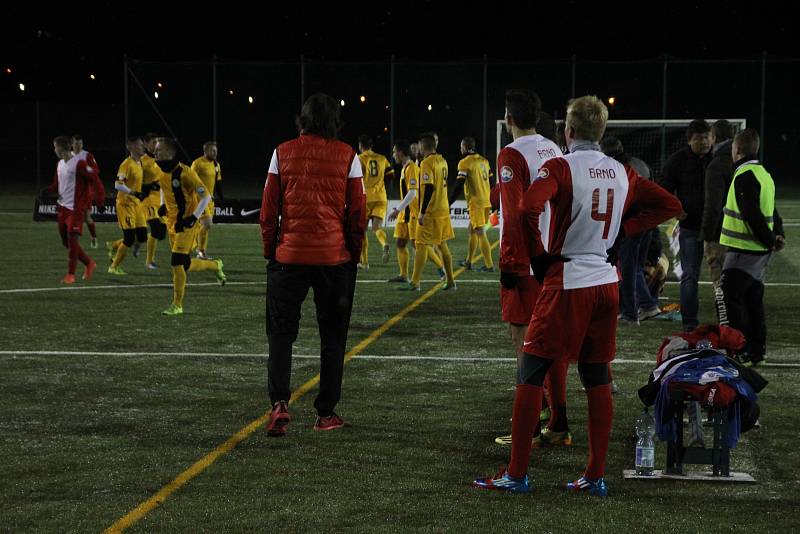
(313, 173)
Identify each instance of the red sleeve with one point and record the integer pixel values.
(355, 217)
(536, 197)
(90, 189)
(654, 205)
(494, 197)
(98, 191)
(514, 178)
(270, 211)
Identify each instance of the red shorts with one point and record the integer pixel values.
(517, 304)
(578, 324)
(70, 220)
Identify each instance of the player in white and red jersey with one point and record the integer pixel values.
(78, 185)
(573, 213)
(517, 166)
(78, 150)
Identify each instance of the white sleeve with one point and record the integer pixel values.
(273, 164)
(201, 207)
(411, 195)
(119, 186)
(355, 168)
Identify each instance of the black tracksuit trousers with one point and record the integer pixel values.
(287, 288)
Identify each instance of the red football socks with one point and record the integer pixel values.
(76, 253)
(557, 378)
(527, 405)
(601, 409)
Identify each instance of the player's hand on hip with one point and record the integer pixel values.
(541, 264)
(780, 243)
(508, 280)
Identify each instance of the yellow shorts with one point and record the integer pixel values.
(435, 230)
(182, 242)
(478, 216)
(151, 204)
(130, 214)
(401, 231)
(376, 209)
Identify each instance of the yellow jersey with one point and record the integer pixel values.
(376, 169)
(409, 180)
(475, 171)
(150, 170)
(130, 174)
(433, 172)
(182, 190)
(209, 171)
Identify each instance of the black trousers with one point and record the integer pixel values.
(744, 304)
(287, 288)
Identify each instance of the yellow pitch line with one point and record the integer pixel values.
(204, 463)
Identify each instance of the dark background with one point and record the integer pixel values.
(715, 56)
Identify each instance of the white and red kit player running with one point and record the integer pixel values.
(78, 185)
(584, 197)
(518, 164)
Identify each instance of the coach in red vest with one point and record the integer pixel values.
(313, 218)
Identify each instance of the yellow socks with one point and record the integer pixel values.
(202, 265)
(380, 235)
(472, 244)
(178, 285)
(447, 259)
(122, 251)
(365, 251)
(402, 260)
(151, 248)
(419, 263)
(486, 250)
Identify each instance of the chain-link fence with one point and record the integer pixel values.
(250, 107)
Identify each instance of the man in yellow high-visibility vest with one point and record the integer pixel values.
(752, 230)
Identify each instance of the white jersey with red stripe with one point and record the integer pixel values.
(584, 217)
(518, 165)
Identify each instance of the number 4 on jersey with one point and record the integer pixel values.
(608, 214)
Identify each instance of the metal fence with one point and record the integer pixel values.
(250, 107)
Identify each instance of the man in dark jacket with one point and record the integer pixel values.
(751, 229)
(684, 175)
(719, 174)
(313, 217)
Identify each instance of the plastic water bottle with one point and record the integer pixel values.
(645, 445)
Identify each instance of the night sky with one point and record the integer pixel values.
(55, 56)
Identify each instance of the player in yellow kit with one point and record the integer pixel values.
(433, 223)
(185, 200)
(473, 175)
(130, 216)
(210, 172)
(406, 212)
(158, 230)
(376, 170)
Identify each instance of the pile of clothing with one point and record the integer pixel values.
(699, 366)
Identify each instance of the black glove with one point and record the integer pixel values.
(541, 264)
(189, 221)
(508, 280)
(162, 210)
(141, 195)
(146, 188)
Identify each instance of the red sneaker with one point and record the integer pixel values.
(328, 423)
(87, 274)
(68, 279)
(278, 420)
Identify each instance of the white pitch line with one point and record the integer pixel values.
(202, 284)
(393, 357)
